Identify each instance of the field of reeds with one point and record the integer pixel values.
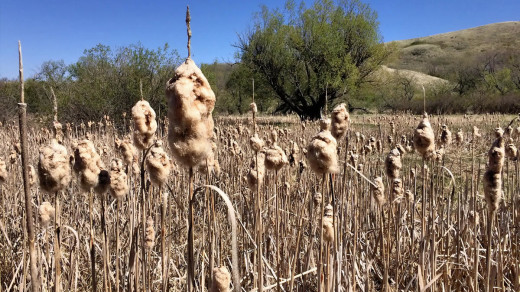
(404, 206)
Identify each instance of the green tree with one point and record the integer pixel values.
(304, 53)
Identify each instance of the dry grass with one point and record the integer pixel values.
(437, 237)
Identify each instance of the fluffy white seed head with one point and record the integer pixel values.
(190, 106)
(53, 167)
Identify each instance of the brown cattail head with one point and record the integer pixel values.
(328, 224)
(294, 157)
(499, 132)
(53, 167)
(127, 150)
(476, 133)
(33, 177)
(378, 191)
(3, 172)
(149, 233)
(409, 196)
(256, 174)
(221, 279)
(459, 137)
(322, 151)
(256, 143)
(253, 107)
(118, 179)
(190, 106)
(445, 136)
(424, 139)
(340, 121)
(511, 151)
(493, 174)
(103, 182)
(88, 163)
(275, 158)
(397, 187)
(393, 163)
(145, 124)
(158, 164)
(46, 211)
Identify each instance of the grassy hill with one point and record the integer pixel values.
(439, 54)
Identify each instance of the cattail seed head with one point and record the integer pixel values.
(424, 139)
(221, 279)
(499, 132)
(127, 150)
(459, 137)
(275, 158)
(256, 143)
(33, 177)
(493, 175)
(317, 197)
(340, 121)
(253, 107)
(118, 179)
(256, 174)
(145, 124)
(393, 163)
(378, 191)
(445, 136)
(294, 157)
(511, 151)
(149, 233)
(158, 164)
(53, 167)
(46, 211)
(88, 163)
(409, 196)
(190, 106)
(328, 224)
(322, 152)
(397, 187)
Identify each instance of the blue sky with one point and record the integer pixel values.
(62, 30)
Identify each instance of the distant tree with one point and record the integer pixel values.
(304, 53)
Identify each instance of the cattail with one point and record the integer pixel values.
(149, 233)
(158, 164)
(379, 146)
(459, 137)
(221, 279)
(46, 211)
(145, 124)
(53, 167)
(409, 196)
(13, 157)
(499, 132)
(118, 179)
(103, 182)
(190, 104)
(438, 154)
(253, 107)
(88, 163)
(397, 187)
(493, 174)
(321, 151)
(423, 138)
(392, 128)
(127, 150)
(3, 172)
(340, 121)
(256, 143)
(393, 163)
(445, 136)
(33, 177)
(256, 173)
(401, 149)
(294, 157)
(275, 157)
(328, 226)
(390, 139)
(511, 151)
(378, 191)
(476, 132)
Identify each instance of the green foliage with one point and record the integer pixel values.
(306, 54)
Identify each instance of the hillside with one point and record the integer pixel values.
(441, 53)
